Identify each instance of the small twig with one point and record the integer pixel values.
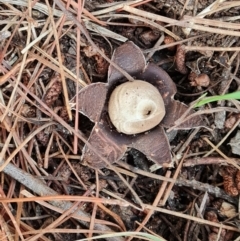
(205, 187)
(86, 12)
(186, 117)
(195, 219)
(37, 186)
(206, 48)
(85, 32)
(198, 27)
(191, 162)
(46, 155)
(201, 92)
(175, 43)
(48, 110)
(170, 186)
(64, 84)
(54, 67)
(11, 216)
(224, 138)
(144, 20)
(136, 4)
(104, 32)
(155, 204)
(31, 135)
(55, 223)
(111, 194)
(171, 227)
(189, 221)
(151, 232)
(187, 142)
(202, 14)
(76, 122)
(69, 164)
(157, 44)
(115, 7)
(5, 77)
(228, 160)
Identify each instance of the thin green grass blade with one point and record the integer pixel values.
(230, 96)
(139, 235)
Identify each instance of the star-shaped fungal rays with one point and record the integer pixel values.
(110, 140)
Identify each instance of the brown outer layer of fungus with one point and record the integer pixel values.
(104, 139)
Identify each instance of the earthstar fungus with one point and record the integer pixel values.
(146, 106)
